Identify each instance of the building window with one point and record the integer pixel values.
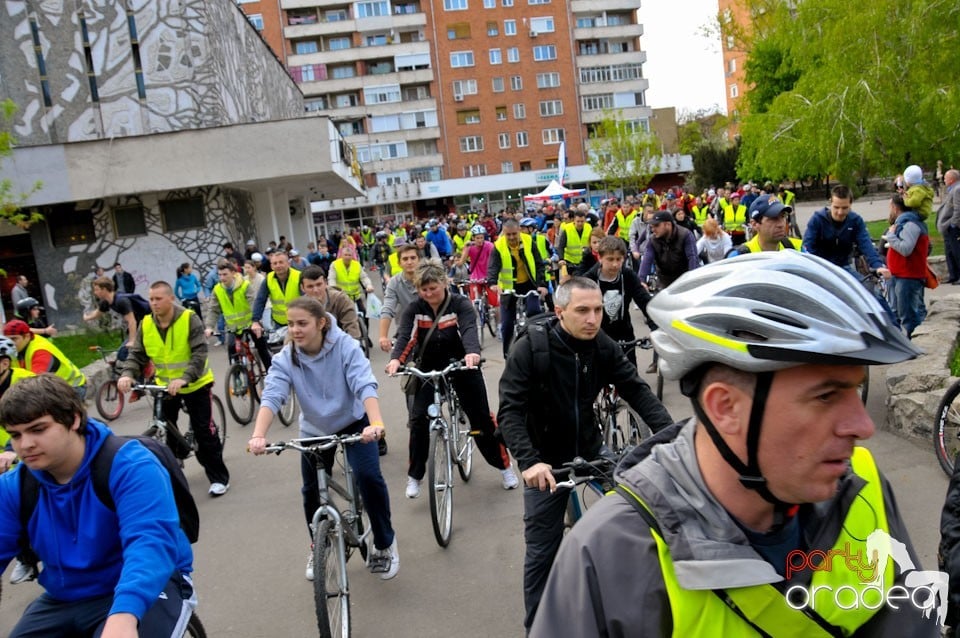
(552, 135)
(504, 140)
(496, 56)
(373, 40)
(305, 46)
(519, 111)
(549, 108)
(69, 226)
(506, 167)
(129, 221)
(459, 59)
(471, 144)
(509, 27)
(538, 1)
(475, 170)
(468, 117)
(458, 31)
(612, 73)
(542, 25)
(548, 80)
(501, 114)
(454, 5)
(493, 29)
(182, 214)
(522, 140)
(545, 52)
(516, 82)
(464, 87)
(730, 42)
(316, 104)
(732, 65)
(342, 72)
(489, 4)
(513, 54)
(256, 20)
(734, 91)
(597, 102)
(373, 9)
(506, 3)
(338, 44)
(525, 167)
(498, 85)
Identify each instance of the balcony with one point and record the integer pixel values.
(618, 31)
(341, 56)
(402, 135)
(620, 86)
(625, 113)
(605, 59)
(311, 4)
(595, 6)
(403, 163)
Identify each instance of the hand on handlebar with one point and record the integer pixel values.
(257, 329)
(373, 433)
(393, 366)
(540, 476)
(471, 360)
(124, 384)
(257, 445)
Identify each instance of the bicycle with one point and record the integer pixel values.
(451, 443)
(288, 411)
(486, 314)
(364, 330)
(110, 400)
(182, 445)
(520, 311)
(244, 382)
(336, 531)
(946, 429)
(595, 484)
(621, 426)
(653, 287)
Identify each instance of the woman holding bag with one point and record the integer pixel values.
(434, 329)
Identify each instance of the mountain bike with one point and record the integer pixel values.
(621, 426)
(182, 445)
(338, 528)
(109, 399)
(486, 314)
(244, 381)
(451, 443)
(946, 429)
(595, 478)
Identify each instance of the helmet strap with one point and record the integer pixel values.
(750, 475)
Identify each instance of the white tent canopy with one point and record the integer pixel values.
(553, 191)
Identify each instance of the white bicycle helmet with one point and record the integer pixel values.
(7, 348)
(478, 230)
(768, 311)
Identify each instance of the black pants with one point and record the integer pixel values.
(542, 532)
(200, 411)
(951, 248)
(473, 399)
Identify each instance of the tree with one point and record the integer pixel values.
(11, 202)
(873, 89)
(624, 156)
(705, 126)
(714, 164)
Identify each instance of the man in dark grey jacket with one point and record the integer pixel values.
(761, 515)
(948, 223)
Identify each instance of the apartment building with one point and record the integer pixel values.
(734, 56)
(452, 104)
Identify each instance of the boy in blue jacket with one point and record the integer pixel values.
(124, 571)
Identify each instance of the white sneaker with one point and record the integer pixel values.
(413, 487)
(22, 573)
(385, 562)
(510, 480)
(309, 572)
(218, 489)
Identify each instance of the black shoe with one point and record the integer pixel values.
(382, 446)
(652, 368)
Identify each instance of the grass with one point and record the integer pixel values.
(878, 228)
(955, 362)
(76, 347)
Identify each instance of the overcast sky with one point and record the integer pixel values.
(685, 69)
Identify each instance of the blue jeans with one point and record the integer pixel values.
(364, 460)
(508, 311)
(906, 298)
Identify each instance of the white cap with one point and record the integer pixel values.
(913, 175)
(256, 257)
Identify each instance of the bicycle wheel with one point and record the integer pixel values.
(656, 360)
(109, 400)
(635, 429)
(239, 393)
(195, 628)
(478, 307)
(865, 386)
(358, 523)
(440, 476)
(614, 436)
(364, 337)
(331, 595)
(946, 430)
(288, 411)
(491, 320)
(463, 443)
(219, 419)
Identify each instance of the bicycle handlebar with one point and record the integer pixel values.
(519, 295)
(642, 342)
(149, 388)
(314, 443)
(406, 370)
(602, 467)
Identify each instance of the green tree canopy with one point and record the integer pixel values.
(622, 154)
(850, 89)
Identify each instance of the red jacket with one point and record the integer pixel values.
(914, 265)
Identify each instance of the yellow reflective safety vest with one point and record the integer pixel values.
(66, 370)
(280, 298)
(348, 278)
(753, 245)
(733, 217)
(459, 242)
(573, 249)
(16, 375)
(624, 223)
(171, 354)
(540, 241)
(700, 214)
(506, 277)
(395, 267)
(236, 311)
(704, 613)
(787, 198)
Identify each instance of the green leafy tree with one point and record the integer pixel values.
(622, 155)
(714, 164)
(873, 89)
(11, 202)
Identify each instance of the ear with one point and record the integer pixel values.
(727, 406)
(76, 423)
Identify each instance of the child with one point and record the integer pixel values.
(919, 195)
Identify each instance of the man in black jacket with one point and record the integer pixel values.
(672, 249)
(546, 416)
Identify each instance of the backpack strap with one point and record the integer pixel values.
(539, 341)
(29, 497)
(100, 469)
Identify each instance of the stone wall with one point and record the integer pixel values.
(914, 388)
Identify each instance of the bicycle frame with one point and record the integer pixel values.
(521, 308)
(158, 421)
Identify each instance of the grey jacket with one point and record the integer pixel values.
(949, 212)
(607, 581)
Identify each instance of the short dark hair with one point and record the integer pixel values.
(104, 282)
(228, 245)
(40, 395)
(611, 244)
(841, 191)
(313, 273)
(226, 264)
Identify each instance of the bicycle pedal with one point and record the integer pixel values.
(475, 432)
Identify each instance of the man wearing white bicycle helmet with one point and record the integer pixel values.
(760, 515)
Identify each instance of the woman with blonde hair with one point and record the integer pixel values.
(715, 243)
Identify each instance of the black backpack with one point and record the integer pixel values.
(537, 330)
(140, 306)
(100, 475)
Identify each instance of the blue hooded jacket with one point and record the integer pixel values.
(88, 550)
(835, 242)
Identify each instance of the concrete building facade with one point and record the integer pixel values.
(734, 17)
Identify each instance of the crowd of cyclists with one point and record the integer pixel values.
(766, 333)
